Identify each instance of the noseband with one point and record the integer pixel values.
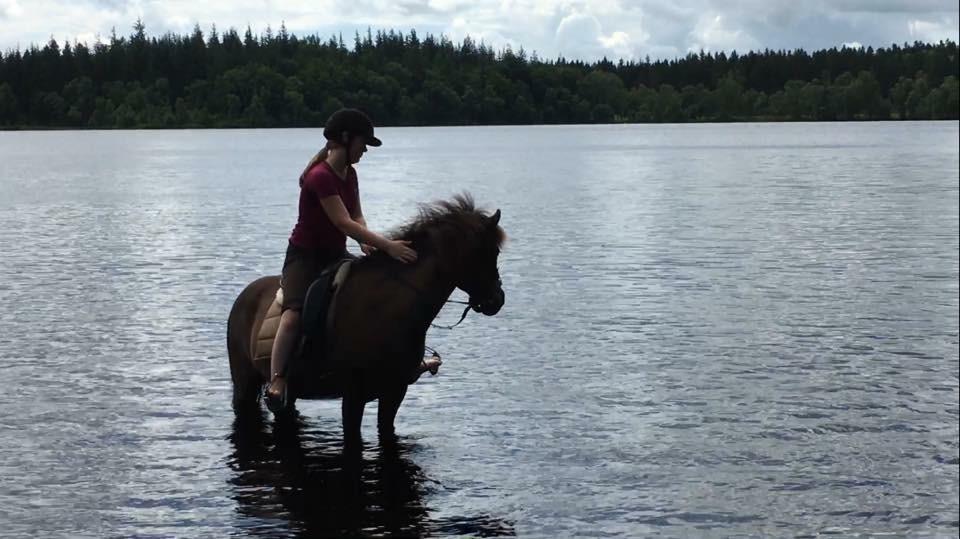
(471, 304)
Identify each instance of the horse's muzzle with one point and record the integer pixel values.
(491, 305)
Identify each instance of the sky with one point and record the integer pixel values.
(586, 30)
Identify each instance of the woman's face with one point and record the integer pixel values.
(358, 146)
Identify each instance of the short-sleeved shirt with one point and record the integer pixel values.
(314, 230)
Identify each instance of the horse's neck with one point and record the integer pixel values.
(433, 286)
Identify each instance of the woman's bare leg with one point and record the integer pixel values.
(283, 345)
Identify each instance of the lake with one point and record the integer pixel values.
(710, 330)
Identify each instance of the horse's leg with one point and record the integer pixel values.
(246, 383)
(354, 400)
(387, 407)
(246, 390)
(240, 324)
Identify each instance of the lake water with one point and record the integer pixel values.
(710, 330)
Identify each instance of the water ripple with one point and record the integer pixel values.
(757, 337)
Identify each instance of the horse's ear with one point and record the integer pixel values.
(495, 219)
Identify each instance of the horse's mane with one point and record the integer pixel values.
(444, 225)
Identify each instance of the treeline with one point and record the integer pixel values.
(278, 79)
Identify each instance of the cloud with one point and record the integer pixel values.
(582, 29)
(417, 8)
(114, 5)
(943, 29)
(894, 6)
(580, 35)
(10, 8)
(714, 33)
(617, 42)
(460, 28)
(578, 32)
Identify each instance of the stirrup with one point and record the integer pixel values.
(276, 404)
(433, 371)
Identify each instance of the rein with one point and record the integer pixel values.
(420, 293)
(462, 316)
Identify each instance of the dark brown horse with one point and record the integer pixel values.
(380, 318)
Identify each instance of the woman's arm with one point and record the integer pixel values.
(341, 219)
(357, 216)
(364, 247)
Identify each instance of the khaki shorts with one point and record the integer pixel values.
(300, 268)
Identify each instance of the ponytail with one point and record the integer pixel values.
(320, 156)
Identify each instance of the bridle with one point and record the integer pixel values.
(470, 304)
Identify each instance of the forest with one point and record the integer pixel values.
(277, 79)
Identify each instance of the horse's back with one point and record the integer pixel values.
(246, 317)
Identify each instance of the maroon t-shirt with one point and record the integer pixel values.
(314, 230)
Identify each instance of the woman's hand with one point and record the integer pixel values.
(400, 250)
(367, 249)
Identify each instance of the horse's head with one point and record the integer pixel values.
(479, 274)
(466, 243)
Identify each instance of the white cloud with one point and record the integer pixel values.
(580, 35)
(10, 8)
(853, 45)
(577, 31)
(460, 28)
(895, 6)
(444, 5)
(91, 38)
(615, 40)
(584, 29)
(923, 30)
(713, 33)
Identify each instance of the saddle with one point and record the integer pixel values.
(315, 317)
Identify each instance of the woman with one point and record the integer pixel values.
(329, 212)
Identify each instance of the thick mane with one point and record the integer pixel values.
(459, 213)
(443, 226)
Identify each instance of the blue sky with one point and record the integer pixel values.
(629, 29)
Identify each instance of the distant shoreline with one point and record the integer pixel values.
(228, 80)
(7, 128)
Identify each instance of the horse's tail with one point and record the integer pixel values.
(242, 322)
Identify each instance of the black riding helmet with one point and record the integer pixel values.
(354, 122)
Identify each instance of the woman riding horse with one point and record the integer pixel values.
(374, 336)
(329, 211)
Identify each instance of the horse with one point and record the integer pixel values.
(375, 336)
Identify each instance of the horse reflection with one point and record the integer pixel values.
(292, 478)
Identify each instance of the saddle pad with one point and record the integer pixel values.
(268, 329)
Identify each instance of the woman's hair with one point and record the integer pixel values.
(320, 156)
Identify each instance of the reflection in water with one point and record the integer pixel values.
(765, 327)
(292, 477)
